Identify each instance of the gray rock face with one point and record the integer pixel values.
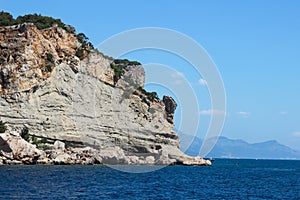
(83, 107)
(58, 145)
(113, 156)
(170, 107)
(170, 104)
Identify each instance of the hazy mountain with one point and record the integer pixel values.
(229, 148)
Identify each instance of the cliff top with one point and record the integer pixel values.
(33, 45)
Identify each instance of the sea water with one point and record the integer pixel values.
(226, 179)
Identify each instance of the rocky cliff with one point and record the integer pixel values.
(74, 105)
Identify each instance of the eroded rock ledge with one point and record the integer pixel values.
(15, 150)
(90, 109)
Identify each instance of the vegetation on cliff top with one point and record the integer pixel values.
(41, 22)
(151, 95)
(86, 46)
(126, 62)
(44, 22)
(118, 65)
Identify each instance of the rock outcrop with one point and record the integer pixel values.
(13, 148)
(170, 107)
(75, 109)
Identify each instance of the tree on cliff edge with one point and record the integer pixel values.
(41, 22)
(6, 19)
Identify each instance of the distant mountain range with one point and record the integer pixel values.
(229, 148)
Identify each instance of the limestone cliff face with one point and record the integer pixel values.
(48, 89)
(27, 55)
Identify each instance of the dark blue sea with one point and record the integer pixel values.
(226, 179)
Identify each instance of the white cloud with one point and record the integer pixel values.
(178, 78)
(243, 114)
(283, 113)
(202, 82)
(177, 75)
(212, 112)
(297, 134)
(178, 82)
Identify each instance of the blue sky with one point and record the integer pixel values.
(255, 44)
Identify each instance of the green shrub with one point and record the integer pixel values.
(142, 90)
(44, 147)
(83, 39)
(41, 22)
(50, 57)
(6, 19)
(86, 46)
(35, 141)
(118, 66)
(49, 63)
(150, 95)
(80, 53)
(118, 72)
(25, 134)
(126, 62)
(3, 127)
(48, 67)
(44, 140)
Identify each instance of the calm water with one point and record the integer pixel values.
(227, 179)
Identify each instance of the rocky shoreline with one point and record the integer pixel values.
(14, 150)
